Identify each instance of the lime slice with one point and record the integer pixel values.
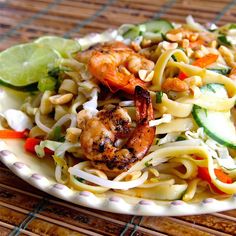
(25, 64)
(64, 46)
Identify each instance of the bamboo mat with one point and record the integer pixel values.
(25, 210)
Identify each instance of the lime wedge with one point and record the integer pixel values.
(64, 46)
(25, 64)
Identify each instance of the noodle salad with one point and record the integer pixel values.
(146, 110)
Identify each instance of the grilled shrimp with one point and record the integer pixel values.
(85, 55)
(116, 66)
(98, 139)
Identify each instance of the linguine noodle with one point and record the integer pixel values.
(171, 168)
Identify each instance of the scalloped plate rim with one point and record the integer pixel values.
(115, 204)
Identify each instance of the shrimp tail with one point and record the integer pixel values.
(143, 104)
(143, 135)
(100, 134)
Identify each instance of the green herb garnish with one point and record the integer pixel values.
(164, 37)
(57, 134)
(159, 96)
(210, 88)
(180, 138)
(55, 72)
(81, 180)
(222, 39)
(223, 71)
(47, 83)
(147, 164)
(173, 57)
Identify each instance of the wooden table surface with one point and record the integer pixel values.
(25, 210)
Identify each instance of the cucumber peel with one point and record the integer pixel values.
(156, 27)
(217, 125)
(223, 71)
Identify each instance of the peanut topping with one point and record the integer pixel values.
(174, 37)
(61, 99)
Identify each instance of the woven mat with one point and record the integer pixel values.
(25, 210)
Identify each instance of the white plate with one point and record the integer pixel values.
(40, 174)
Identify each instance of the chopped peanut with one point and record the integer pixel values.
(61, 99)
(199, 54)
(142, 74)
(185, 43)
(167, 46)
(149, 76)
(72, 134)
(193, 37)
(146, 43)
(146, 75)
(174, 37)
(135, 46)
(204, 49)
(213, 44)
(189, 52)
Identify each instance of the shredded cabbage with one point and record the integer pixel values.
(17, 120)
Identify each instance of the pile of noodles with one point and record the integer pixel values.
(170, 169)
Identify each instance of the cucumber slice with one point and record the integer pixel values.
(156, 26)
(154, 37)
(216, 90)
(219, 68)
(223, 71)
(132, 33)
(217, 125)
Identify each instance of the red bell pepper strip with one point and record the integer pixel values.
(203, 173)
(182, 75)
(12, 134)
(201, 62)
(30, 144)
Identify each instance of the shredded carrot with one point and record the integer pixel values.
(11, 134)
(206, 60)
(203, 173)
(201, 62)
